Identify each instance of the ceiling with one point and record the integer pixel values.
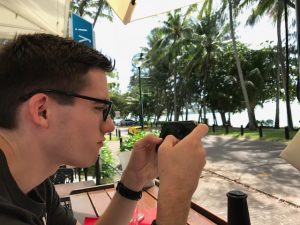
(33, 16)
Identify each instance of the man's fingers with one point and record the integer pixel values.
(169, 141)
(199, 132)
(150, 139)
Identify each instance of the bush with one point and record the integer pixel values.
(107, 163)
(127, 145)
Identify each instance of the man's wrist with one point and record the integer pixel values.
(132, 181)
(128, 193)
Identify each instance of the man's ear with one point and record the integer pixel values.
(38, 109)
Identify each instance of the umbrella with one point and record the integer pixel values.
(131, 10)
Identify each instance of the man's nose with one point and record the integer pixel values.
(108, 125)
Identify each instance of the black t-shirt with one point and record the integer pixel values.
(40, 206)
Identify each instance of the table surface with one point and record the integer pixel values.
(64, 190)
(92, 202)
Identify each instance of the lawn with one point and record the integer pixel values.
(268, 134)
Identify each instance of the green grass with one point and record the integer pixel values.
(269, 134)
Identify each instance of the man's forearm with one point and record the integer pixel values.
(119, 211)
(173, 208)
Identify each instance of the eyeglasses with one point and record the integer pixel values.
(106, 111)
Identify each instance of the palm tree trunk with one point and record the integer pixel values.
(223, 118)
(240, 72)
(100, 6)
(287, 93)
(277, 96)
(82, 5)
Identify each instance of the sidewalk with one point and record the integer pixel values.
(254, 167)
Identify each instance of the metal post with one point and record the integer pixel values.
(213, 128)
(226, 129)
(242, 130)
(97, 171)
(85, 170)
(110, 136)
(141, 101)
(286, 132)
(260, 131)
(119, 133)
(121, 141)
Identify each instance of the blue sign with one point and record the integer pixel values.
(82, 31)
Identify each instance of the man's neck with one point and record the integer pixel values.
(26, 165)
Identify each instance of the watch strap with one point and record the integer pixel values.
(128, 193)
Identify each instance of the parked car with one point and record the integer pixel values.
(127, 122)
(117, 121)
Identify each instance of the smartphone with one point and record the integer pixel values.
(179, 129)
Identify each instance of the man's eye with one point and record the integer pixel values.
(100, 108)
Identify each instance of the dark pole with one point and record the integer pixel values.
(141, 101)
(287, 94)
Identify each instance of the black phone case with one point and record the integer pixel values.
(179, 129)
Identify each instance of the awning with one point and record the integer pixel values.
(131, 10)
(33, 16)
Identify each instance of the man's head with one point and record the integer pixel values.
(42, 61)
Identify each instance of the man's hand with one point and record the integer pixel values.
(180, 163)
(142, 165)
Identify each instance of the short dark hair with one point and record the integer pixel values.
(38, 61)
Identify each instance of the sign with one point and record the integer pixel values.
(117, 114)
(82, 30)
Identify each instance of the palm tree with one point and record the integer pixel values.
(174, 30)
(275, 10)
(209, 32)
(92, 8)
(231, 6)
(239, 68)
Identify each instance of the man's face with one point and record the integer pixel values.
(81, 127)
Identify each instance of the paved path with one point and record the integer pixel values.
(272, 185)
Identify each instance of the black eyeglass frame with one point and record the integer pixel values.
(106, 112)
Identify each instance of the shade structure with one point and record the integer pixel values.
(33, 16)
(131, 10)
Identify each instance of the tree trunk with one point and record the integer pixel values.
(215, 118)
(100, 7)
(277, 96)
(81, 7)
(240, 72)
(287, 91)
(223, 118)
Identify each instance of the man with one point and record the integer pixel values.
(54, 109)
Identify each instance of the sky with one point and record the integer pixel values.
(121, 42)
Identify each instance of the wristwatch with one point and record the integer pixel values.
(128, 193)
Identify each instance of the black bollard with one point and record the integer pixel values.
(119, 133)
(226, 129)
(286, 132)
(116, 132)
(110, 136)
(213, 128)
(260, 131)
(237, 211)
(242, 130)
(85, 170)
(121, 141)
